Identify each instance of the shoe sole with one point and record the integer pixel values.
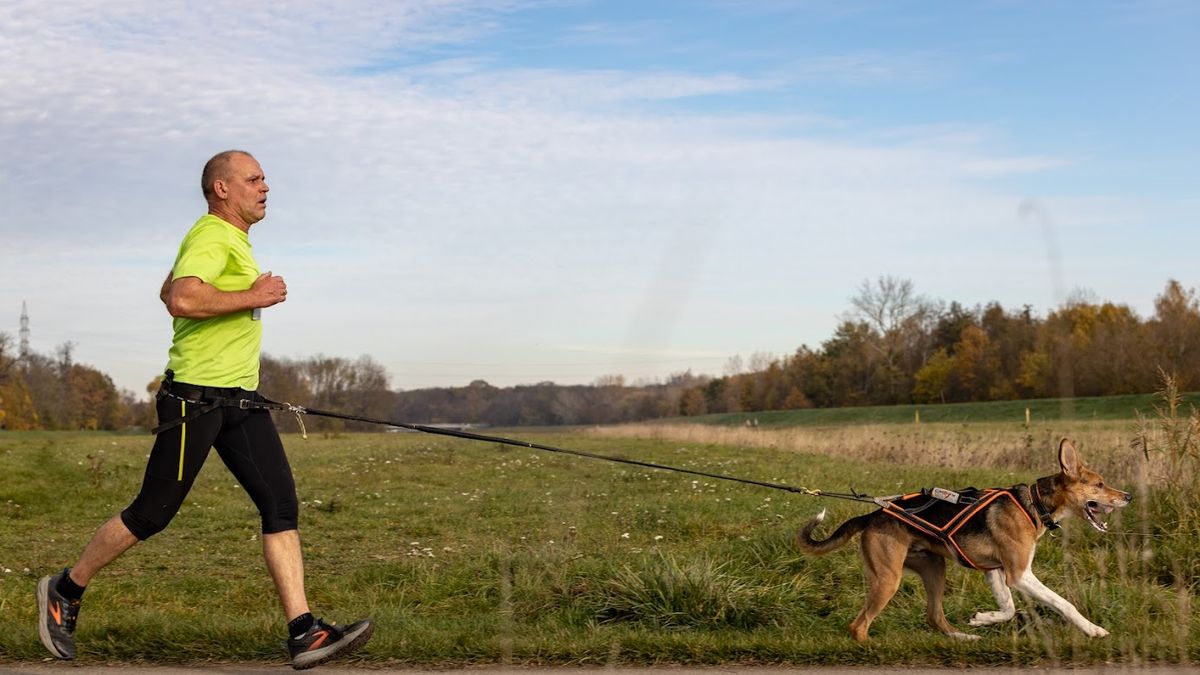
(352, 642)
(43, 599)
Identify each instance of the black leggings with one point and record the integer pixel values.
(247, 443)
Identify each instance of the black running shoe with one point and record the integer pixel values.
(323, 642)
(56, 618)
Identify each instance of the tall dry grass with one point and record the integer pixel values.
(1105, 445)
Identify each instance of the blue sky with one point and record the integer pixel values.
(527, 191)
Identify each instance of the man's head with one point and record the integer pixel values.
(235, 188)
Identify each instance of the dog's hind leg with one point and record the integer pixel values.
(932, 570)
(883, 563)
(1004, 600)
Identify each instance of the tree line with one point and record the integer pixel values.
(892, 346)
(895, 346)
(54, 392)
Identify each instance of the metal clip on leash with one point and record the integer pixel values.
(298, 411)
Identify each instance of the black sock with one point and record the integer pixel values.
(300, 625)
(69, 589)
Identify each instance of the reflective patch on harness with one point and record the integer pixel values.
(944, 495)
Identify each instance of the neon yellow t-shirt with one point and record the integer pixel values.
(222, 351)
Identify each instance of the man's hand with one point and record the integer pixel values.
(191, 298)
(268, 290)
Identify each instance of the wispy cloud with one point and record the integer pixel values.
(460, 206)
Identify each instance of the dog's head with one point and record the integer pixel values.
(1083, 491)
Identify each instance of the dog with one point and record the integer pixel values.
(999, 539)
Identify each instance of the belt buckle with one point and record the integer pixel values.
(244, 403)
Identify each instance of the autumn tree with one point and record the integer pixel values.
(17, 410)
(1174, 333)
(897, 337)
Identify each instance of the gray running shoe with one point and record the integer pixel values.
(324, 641)
(56, 618)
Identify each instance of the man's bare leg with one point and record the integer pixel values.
(109, 542)
(286, 564)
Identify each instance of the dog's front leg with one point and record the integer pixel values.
(1004, 599)
(1036, 589)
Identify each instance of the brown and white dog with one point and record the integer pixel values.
(1001, 540)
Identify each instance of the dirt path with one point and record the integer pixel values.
(239, 669)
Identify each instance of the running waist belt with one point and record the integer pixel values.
(203, 400)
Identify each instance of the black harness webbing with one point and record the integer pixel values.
(936, 515)
(942, 514)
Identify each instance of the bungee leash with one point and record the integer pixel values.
(456, 433)
(204, 406)
(261, 403)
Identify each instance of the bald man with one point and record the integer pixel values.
(215, 294)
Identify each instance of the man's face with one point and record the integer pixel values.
(246, 189)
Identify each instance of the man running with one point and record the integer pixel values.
(215, 293)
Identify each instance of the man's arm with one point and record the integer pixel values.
(191, 298)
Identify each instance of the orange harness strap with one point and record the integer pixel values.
(946, 532)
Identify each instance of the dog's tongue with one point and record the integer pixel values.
(1104, 508)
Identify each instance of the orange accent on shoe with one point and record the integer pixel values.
(56, 613)
(319, 641)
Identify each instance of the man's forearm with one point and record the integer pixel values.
(209, 303)
(191, 298)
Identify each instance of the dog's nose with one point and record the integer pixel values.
(1128, 497)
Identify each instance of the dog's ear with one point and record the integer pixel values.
(1068, 459)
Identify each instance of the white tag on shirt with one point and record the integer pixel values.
(256, 314)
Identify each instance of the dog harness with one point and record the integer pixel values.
(942, 513)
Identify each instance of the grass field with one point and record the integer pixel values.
(476, 553)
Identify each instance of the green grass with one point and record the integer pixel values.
(473, 553)
(1041, 410)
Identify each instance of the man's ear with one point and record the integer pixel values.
(220, 188)
(1068, 459)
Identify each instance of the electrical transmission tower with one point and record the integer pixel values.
(24, 354)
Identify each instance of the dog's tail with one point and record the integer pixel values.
(835, 541)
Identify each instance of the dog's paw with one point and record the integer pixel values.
(989, 618)
(965, 637)
(1095, 631)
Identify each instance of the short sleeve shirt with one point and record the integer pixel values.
(222, 351)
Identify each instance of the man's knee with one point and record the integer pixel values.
(144, 526)
(285, 516)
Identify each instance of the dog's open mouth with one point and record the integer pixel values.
(1093, 511)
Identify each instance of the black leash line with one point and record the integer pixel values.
(300, 410)
(203, 407)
